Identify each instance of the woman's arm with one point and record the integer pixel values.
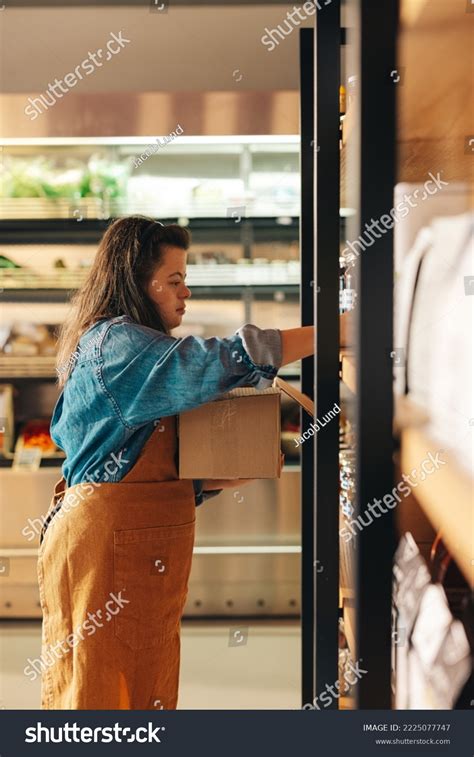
(297, 343)
(148, 375)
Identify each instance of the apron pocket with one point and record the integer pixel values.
(151, 573)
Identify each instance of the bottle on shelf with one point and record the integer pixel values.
(347, 291)
(342, 111)
(342, 272)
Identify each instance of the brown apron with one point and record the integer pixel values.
(113, 576)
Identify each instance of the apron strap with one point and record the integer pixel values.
(55, 505)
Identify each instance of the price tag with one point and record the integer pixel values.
(27, 459)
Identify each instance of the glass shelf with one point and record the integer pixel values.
(190, 177)
(204, 275)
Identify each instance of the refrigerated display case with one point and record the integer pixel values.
(191, 177)
(241, 268)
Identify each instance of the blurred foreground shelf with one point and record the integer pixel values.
(347, 703)
(447, 498)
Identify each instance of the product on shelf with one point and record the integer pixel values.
(348, 526)
(439, 655)
(342, 100)
(7, 263)
(347, 292)
(345, 668)
(21, 345)
(342, 110)
(36, 434)
(431, 654)
(347, 472)
(41, 177)
(410, 580)
(6, 418)
(30, 339)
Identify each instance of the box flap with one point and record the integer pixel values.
(292, 392)
(246, 391)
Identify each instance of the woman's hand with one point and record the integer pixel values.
(209, 484)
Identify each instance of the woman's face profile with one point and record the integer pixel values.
(167, 287)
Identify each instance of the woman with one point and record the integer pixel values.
(117, 544)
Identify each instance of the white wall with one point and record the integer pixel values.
(186, 49)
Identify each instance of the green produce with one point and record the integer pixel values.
(7, 263)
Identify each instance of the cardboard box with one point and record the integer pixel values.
(237, 435)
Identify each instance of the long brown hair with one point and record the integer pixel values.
(127, 255)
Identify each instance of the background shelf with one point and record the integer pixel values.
(27, 367)
(447, 497)
(207, 275)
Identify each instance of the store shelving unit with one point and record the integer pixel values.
(413, 433)
(440, 506)
(368, 161)
(452, 484)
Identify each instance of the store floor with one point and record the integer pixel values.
(231, 664)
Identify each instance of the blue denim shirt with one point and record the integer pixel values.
(126, 377)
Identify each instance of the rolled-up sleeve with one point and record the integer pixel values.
(201, 495)
(147, 374)
(263, 346)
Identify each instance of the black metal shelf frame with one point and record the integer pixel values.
(89, 231)
(307, 365)
(231, 292)
(326, 245)
(373, 31)
(376, 52)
